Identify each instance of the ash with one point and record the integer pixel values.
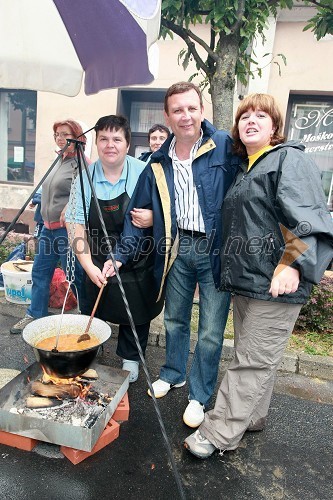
(79, 412)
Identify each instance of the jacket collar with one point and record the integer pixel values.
(207, 130)
(287, 144)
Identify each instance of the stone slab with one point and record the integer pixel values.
(316, 366)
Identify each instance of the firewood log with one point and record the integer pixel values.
(90, 374)
(37, 402)
(55, 391)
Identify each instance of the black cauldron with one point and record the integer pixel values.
(66, 363)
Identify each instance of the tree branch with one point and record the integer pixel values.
(320, 5)
(239, 15)
(186, 35)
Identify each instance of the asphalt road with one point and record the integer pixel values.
(290, 459)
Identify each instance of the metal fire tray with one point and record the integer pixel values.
(14, 419)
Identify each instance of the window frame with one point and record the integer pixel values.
(301, 98)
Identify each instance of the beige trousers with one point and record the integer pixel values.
(262, 329)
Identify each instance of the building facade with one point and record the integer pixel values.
(303, 88)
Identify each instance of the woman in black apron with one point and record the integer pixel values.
(137, 278)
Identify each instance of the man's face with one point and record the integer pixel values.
(156, 139)
(184, 116)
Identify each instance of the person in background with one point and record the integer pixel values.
(36, 202)
(114, 177)
(184, 184)
(277, 242)
(157, 134)
(53, 239)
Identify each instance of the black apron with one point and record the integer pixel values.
(137, 278)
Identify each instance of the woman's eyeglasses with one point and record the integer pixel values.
(63, 135)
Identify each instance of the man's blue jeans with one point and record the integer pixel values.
(192, 266)
(52, 247)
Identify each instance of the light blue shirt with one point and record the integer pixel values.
(105, 190)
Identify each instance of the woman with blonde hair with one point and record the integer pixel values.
(278, 241)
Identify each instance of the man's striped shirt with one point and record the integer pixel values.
(188, 210)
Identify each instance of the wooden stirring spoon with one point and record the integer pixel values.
(85, 335)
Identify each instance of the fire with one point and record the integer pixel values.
(53, 379)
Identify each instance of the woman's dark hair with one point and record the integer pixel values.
(266, 103)
(180, 88)
(114, 122)
(160, 128)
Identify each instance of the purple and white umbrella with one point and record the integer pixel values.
(50, 44)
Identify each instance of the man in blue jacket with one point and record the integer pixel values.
(184, 184)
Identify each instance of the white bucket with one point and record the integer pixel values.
(17, 283)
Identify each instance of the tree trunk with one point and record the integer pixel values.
(222, 83)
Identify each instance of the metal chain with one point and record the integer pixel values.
(71, 209)
(70, 261)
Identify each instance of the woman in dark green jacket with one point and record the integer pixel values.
(277, 242)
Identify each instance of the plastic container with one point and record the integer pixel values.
(17, 283)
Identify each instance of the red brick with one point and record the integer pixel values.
(16, 441)
(110, 433)
(122, 411)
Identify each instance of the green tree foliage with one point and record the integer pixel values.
(233, 26)
(25, 101)
(322, 23)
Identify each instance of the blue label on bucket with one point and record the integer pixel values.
(22, 294)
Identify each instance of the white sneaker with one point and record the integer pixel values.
(20, 325)
(133, 368)
(199, 445)
(194, 414)
(162, 388)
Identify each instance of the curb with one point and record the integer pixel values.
(292, 362)
(300, 363)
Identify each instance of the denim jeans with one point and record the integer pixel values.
(52, 247)
(192, 266)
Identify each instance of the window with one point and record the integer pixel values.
(143, 108)
(145, 114)
(310, 121)
(17, 135)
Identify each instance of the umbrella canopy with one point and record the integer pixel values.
(50, 44)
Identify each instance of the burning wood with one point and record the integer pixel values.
(52, 379)
(90, 374)
(74, 422)
(55, 391)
